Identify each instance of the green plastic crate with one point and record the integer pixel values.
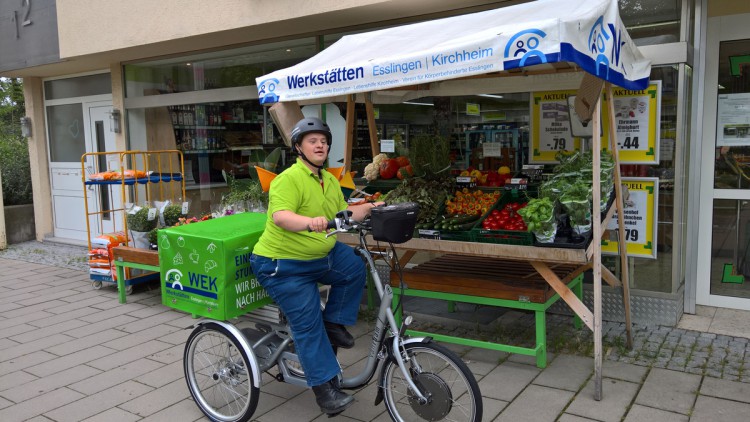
(504, 237)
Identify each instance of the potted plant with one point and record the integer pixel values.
(539, 216)
(139, 225)
(244, 194)
(576, 200)
(172, 214)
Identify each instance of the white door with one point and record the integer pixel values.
(76, 129)
(724, 228)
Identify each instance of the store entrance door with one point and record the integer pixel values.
(75, 129)
(724, 234)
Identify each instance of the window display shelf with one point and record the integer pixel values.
(204, 151)
(189, 127)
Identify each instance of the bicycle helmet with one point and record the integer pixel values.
(310, 125)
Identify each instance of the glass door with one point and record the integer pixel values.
(724, 261)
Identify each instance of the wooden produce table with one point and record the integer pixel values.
(486, 281)
(127, 257)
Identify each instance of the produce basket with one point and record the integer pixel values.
(501, 236)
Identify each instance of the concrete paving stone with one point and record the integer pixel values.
(94, 404)
(26, 391)
(67, 307)
(148, 311)
(617, 395)
(491, 408)
(669, 390)
(122, 357)
(724, 389)
(640, 413)
(266, 403)
(8, 307)
(280, 389)
(51, 297)
(61, 317)
(39, 405)
(25, 361)
(536, 403)
(40, 333)
(68, 361)
(168, 355)
(89, 294)
(713, 372)
(83, 343)
(712, 409)
(162, 375)
(566, 417)
(148, 322)
(185, 410)
(111, 312)
(20, 349)
(103, 380)
(6, 343)
(528, 360)
(363, 407)
(496, 385)
(116, 414)
(13, 379)
(158, 399)
(300, 408)
(5, 403)
(7, 324)
(566, 372)
(126, 341)
(185, 321)
(39, 419)
(481, 361)
(98, 326)
(707, 335)
(176, 337)
(696, 371)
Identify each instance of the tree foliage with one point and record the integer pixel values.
(14, 150)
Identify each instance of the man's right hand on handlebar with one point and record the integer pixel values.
(318, 224)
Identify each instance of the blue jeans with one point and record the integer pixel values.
(293, 285)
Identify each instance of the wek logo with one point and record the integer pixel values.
(599, 41)
(173, 276)
(526, 44)
(266, 93)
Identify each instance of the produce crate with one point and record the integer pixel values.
(457, 235)
(505, 237)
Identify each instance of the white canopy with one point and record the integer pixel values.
(551, 34)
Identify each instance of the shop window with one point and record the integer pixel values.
(652, 21)
(214, 70)
(81, 86)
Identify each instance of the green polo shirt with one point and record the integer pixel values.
(298, 189)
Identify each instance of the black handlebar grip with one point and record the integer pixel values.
(331, 224)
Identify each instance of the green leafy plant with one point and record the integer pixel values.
(244, 190)
(429, 194)
(172, 214)
(139, 221)
(539, 216)
(429, 155)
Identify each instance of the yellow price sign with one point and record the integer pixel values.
(640, 214)
(636, 122)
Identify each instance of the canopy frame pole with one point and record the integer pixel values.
(374, 145)
(351, 118)
(597, 250)
(621, 244)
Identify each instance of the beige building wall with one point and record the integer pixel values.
(727, 7)
(42, 194)
(90, 27)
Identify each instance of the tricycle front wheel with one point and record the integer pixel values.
(452, 391)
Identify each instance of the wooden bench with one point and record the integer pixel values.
(127, 257)
(492, 282)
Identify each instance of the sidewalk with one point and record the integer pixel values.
(72, 353)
